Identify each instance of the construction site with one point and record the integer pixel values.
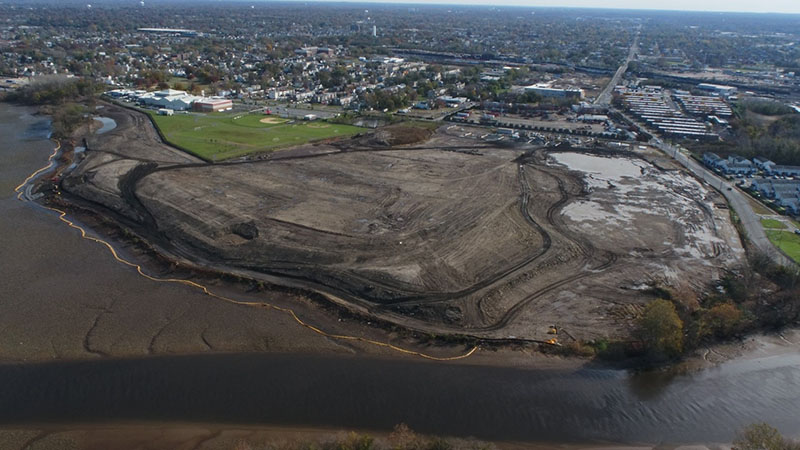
(432, 230)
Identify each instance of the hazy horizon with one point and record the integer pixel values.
(711, 6)
(766, 6)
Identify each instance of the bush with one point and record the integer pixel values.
(353, 441)
(761, 436)
(404, 438)
(67, 118)
(766, 107)
(55, 90)
(438, 444)
(661, 330)
(578, 348)
(723, 319)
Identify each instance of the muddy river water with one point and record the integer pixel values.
(495, 403)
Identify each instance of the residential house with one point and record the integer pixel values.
(785, 171)
(711, 160)
(762, 163)
(736, 165)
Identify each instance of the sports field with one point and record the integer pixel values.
(786, 241)
(219, 136)
(773, 224)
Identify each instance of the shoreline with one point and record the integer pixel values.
(170, 435)
(552, 385)
(132, 242)
(104, 225)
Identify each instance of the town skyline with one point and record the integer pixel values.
(736, 6)
(710, 6)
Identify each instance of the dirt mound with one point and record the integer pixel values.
(400, 135)
(247, 230)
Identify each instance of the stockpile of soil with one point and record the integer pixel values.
(394, 135)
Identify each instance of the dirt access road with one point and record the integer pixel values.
(448, 234)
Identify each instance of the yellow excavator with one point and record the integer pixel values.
(553, 330)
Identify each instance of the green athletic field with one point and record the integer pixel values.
(219, 136)
(773, 223)
(786, 241)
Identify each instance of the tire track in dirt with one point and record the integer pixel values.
(297, 271)
(297, 268)
(586, 247)
(547, 242)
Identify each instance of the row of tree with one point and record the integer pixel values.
(54, 90)
(757, 295)
(776, 137)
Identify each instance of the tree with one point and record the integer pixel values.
(353, 441)
(324, 78)
(660, 329)
(722, 319)
(67, 118)
(761, 436)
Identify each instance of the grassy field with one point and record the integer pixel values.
(773, 223)
(786, 241)
(219, 136)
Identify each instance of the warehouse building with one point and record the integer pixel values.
(212, 105)
(649, 105)
(717, 89)
(544, 90)
(702, 105)
(168, 98)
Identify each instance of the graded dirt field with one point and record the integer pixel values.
(221, 136)
(442, 233)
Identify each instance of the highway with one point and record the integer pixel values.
(605, 97)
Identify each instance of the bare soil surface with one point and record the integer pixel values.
(135, 436)
(439, 233)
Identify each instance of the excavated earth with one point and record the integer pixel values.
(447, 234)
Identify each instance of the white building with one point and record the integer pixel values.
(278, 94)
(169, 99)
(717, 89)
(546, 91)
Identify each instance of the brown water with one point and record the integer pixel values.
(64, 297)
(59, 293)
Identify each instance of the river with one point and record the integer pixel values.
(52, 284)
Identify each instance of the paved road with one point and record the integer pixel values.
(605, 97)
(736, 198)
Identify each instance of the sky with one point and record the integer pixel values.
(777, 6)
